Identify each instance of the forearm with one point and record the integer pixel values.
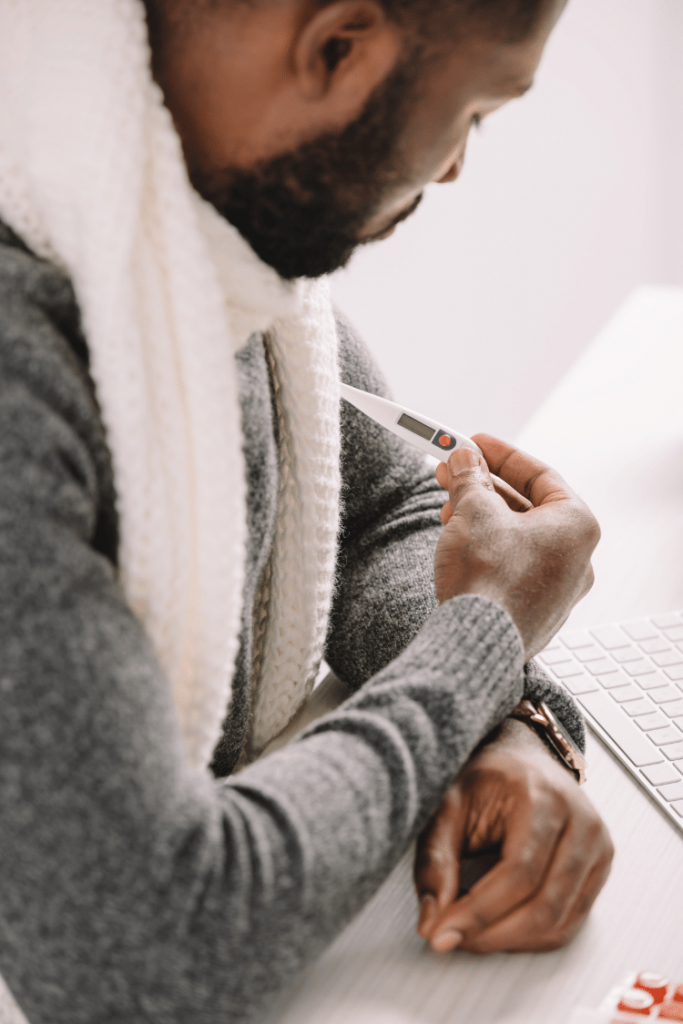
(155, 893)
(385, 588)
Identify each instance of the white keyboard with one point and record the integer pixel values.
(628, 679)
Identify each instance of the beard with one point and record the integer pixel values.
(303, 212)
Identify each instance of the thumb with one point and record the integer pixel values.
(466, 470)
(437, 862)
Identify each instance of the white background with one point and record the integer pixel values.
(570, 198)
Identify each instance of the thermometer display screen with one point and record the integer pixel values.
(416, 427)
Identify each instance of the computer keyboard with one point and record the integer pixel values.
(628, 679)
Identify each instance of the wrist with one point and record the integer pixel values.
(539, 717)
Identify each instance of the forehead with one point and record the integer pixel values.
(479, 61)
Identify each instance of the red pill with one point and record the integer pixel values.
(655, 984)
(636, 1000)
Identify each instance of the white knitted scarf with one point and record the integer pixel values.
(92, 177)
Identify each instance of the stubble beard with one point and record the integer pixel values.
(304, 212)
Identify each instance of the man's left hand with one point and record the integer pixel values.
(556, 852)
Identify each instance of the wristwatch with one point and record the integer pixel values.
(550, 729)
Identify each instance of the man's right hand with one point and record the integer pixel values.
(534, 563)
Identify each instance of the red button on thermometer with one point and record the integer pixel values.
(418, 430)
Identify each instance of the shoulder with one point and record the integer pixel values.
(47, 398)
(40, 331)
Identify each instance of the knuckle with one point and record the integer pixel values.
(526, 872)
(436, 857)
(559, 940)
(548, 915)
(599, 840)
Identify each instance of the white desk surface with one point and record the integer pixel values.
(614, 428)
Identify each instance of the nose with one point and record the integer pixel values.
(453, 171)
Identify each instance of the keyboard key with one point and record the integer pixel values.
(571, 668)
(678, 722)
(656, 720)
(555, 656)
(661, 737)
(672, 750)
(603, 665)
(663, 694)
(626, 693)
(638, 668)
(574, 638)
(580, 684)
(674, 633)
(629, 653)
(609, 637)
(673, 791)
(679, 765)
(652, 681)
(635, 708)
(655, 646)
(661, 774)
(673, 708)
(668, 658)
(667, 620)
(614, 679)
(590, 653)
(641, 629)
(678, 807)
(674, 671)
(624, 733)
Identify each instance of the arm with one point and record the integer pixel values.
(390, 526)
(386, 591)
(390, 529)
(555, 852)
(131, 887)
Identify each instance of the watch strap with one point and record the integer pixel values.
(543, 720)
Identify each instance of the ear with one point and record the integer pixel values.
(344, 50)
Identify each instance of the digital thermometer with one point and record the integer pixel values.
(418, 430)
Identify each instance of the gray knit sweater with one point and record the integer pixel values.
(133, 888)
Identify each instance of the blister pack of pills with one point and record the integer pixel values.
(639, 997)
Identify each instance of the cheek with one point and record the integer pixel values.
(440, 157)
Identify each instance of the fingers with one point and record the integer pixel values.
(512, 499)
(554, 915)
(528, 476)
(533, 834)
(556, 851)
(437, 867)
(466, 471)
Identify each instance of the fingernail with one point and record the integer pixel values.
(446, 940)
(427, 905)
(462, 457)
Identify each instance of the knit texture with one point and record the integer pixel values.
(133, 887)
(92, 177)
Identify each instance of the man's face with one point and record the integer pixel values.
(305, 207)
(305, 211)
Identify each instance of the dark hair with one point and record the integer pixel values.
(509, 21)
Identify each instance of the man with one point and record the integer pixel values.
(170, 493)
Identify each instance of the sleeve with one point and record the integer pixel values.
(385, 590)
(132, 887)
